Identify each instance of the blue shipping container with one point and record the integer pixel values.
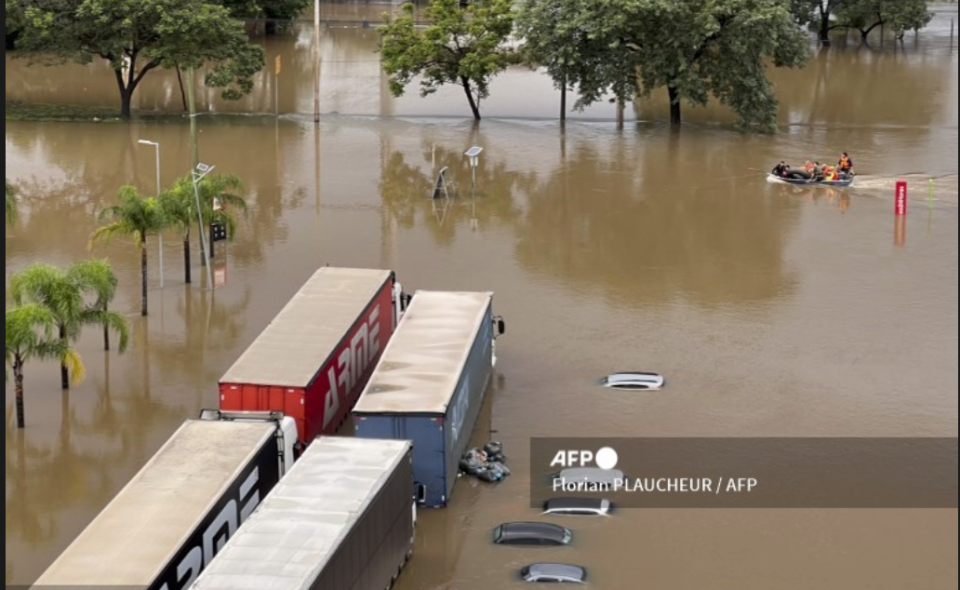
(429, 385)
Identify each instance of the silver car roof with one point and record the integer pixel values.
(558, 570)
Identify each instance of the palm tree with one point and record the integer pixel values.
(62, 293)
(30, 335)
(179, 205)
(96, 277)
(137, 217)
(11, 212)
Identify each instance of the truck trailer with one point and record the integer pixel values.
(342, 519)
(430, 383)
(178, 511)
(312, 361)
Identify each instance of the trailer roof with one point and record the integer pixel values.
(293, 347)
(130, 542)
(421, 366)
(291, 537)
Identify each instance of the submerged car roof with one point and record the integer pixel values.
(634, 379)
(558, 570)
(532, 529)
(575, 503)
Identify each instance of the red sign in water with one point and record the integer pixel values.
(900, 201)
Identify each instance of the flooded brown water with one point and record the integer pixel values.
(773, 311)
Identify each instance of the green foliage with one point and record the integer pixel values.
(461, 46)
(136, 217)
(136, 36)
(899, 15)
(565, 39)
(11, 210)
(273, 9)
(180, 202)
(30, 335)
(76, 297)
(697, 49)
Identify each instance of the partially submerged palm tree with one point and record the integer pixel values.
(179, 205)
(11, 212)
(30, 335)
(62, 293)
(136, 217)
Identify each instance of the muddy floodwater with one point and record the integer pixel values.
(772, 310)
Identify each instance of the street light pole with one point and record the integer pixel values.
(156, 146)
(197, 174)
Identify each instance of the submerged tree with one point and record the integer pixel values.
(137, 36)
(702, 48)
(11, 207)
(179, 206)
(563, 38)
(63, 294)
(136, 217)
(899, 15)
(29, 332)
(464, 46)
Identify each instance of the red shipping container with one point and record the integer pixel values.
(314, 359)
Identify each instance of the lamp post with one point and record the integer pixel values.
(197, 174)
(474, 155)
(156, 146)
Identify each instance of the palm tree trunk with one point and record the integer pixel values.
(186, 255)
(106, 331)
(143, 275)
(18, 378)
(64, 373)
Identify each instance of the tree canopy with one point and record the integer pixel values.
(694, 48)
(863, 15)
(463, 46)
(137, 36)
(899, 15)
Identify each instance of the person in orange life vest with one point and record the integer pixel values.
(846, 164)
(830, 173)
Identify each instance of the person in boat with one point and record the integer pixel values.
(830, 173)
(809, 167)
(780, 170)
(845, 165)
(818, 171)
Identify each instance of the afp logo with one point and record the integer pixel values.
(606, 458)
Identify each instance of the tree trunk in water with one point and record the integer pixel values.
(18, 378)
(824, 26)
(143, 276)
(106, 331)
(563, 101)
(64, 373)
(465, 82)
(621, 107)
(126, 96)
(186, 256)
(674, 105)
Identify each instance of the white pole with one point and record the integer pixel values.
(160, 233)
(203, 236)
(316, 61)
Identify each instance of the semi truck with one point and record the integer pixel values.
(342, 519)
(312, 361)
(429, 385)
(180, 509)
